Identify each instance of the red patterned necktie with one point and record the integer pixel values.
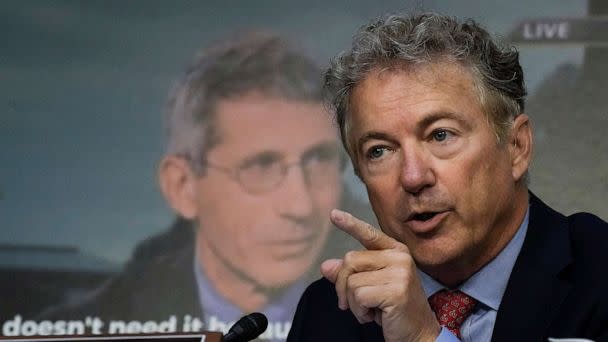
(452, 308)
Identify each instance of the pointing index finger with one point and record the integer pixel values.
(370, 237)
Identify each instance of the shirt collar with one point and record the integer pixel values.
(279, 308)
(488, 284)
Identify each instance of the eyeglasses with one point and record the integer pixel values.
(264, 172)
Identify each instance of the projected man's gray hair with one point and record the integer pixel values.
(396, 41)
(253, 61)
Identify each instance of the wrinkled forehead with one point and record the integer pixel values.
(432, 74)
(255, 123)
(386, 84)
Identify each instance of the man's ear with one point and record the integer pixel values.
(177, 182)
(521, 145)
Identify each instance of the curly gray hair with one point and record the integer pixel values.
(250, 61)
(396, 40)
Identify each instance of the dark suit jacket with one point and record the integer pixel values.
(158, 281)
(558, 288)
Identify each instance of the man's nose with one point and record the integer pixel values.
(416, 173)
(294, 198)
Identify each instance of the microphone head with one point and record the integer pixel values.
(247, 328)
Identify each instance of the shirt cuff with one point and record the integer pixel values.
(446, 336)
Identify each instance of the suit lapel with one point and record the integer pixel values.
(173, 289)
(535, 289)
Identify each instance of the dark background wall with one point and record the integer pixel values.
(83, 86)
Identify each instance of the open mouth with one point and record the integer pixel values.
(423, 216)
(426, 221)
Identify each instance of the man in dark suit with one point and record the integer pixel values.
(253, 167)
(431, 112)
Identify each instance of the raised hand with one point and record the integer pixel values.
(380, 283)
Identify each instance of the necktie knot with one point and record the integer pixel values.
(452, 308)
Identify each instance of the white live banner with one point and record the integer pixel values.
(589, 31)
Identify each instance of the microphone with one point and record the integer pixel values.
(247, 328)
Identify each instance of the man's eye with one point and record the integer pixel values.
(322, 155)
(441, 135)
(376, 152)
(262, 161)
